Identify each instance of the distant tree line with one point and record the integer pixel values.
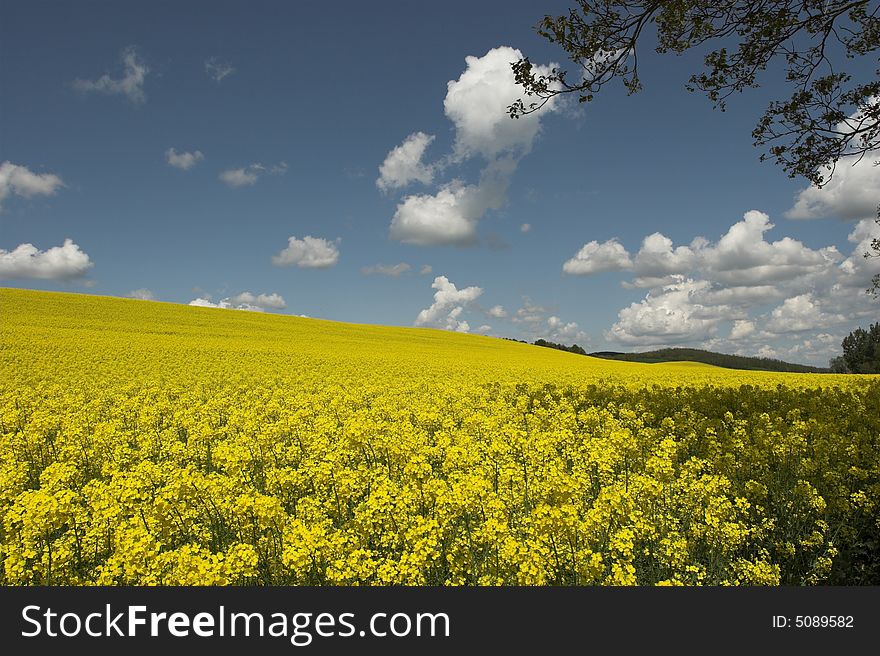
(574, 348)
(710, 357)
(861, 352)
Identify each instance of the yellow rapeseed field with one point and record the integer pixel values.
(149, 443)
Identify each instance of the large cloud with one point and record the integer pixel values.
(448, 306)
(853, 192)
(130, 85)
(21, 181)
(308, 253)
(57, 263)
(476, 103)
(666, 316)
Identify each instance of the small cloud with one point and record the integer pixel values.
(57, 263)
(497, 311)
(525, 227)
(449, 303)
(130, 85)
(248, 175)
(485, 329)
(426, 270)
(390, 270)
(217, 70)
(21, 181)
(183, 161)
(142, 294)
(403, 164)
(308, 253)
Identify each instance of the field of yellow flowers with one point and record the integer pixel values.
(149, 443)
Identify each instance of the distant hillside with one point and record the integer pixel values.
(709, 357)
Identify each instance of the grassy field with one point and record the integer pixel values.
(152, 443)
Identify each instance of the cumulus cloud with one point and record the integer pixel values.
(476, 104)
(185, 160)
(217, 70)
(244, 301)
(404, 165)
(266, 301)
(667, 315)
(800, 313)
(21, 181)
(525, 227)
(64, 262)
(743, 257)
(594, 257)
(247, 176)
(450, 216)
(853, 192)
(308, 253)
(448, 306)
(130, 85)
(142, 294)
(742, 328)
(562, 331)
(390, 270)
(497, 311)
(426, 270)
(485, 329)
(530, 313)
(767, 292)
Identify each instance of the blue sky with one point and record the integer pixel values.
(187, 151)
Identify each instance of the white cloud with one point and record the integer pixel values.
(131, 84)
(497, 311)
(390, 270)
(57, 263)
(248, 175)
(485, 329)
(657, 259)
(449, 303)
(265, 301)
(800, 313)
(853, 192)
(742, 328)
(142, 294)
(183, 161)
(530, 313)
(450, 216)
(562, 331)
(666, 316)
(426, 270)
(308, 253)
(477, 105)
(217, 70)
(243, 301)
(525, 227)
(403, 164)
(742, 257)
(594, 257)
(21, 181)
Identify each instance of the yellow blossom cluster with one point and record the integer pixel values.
(152, 444)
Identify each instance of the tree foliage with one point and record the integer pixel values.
(828, 115)
(861, 350)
